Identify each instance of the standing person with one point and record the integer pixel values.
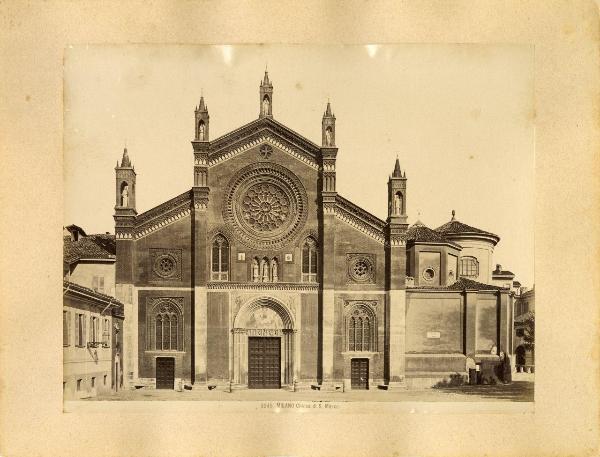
(506, 370)
(471, 369)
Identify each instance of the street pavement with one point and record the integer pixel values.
(517, 391)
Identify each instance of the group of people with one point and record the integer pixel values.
(491, 371)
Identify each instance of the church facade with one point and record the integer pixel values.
(263, 276)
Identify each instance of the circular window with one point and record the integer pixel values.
(361, 269)
(267, 204)
(428, 274)
(265, 207)
(165, 265)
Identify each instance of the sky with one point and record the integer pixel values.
(458, 117)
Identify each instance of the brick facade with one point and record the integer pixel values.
(265, 191)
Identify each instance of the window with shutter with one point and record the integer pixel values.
(65, 328)
(77, 329)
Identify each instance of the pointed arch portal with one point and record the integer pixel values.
(264, 345)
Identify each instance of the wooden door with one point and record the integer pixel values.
(165, 373)
(264, 363)
(359, 374)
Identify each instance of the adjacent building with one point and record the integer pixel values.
(92, 316)
(263, 276)
(524, 307)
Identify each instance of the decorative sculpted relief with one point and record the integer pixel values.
(165, 263)
(267, 204)
(361, 268)
(265, 207)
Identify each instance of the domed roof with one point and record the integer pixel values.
(455, 229)
(420, 233)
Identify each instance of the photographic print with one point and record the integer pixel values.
(314, 223)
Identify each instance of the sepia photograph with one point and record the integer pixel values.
(315, 223)
(300, 231)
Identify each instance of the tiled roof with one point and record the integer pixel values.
(455, 227)
(502, 273)
(78, 288)
(100, 246)
(462, 284)
(419, 232)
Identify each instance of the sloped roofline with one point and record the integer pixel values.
(304, 144)
(160, 209)
(362, 214)
(464, 231)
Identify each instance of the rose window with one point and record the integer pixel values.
(361, 269)
(265, 207)
(266, 204)
(165, 266)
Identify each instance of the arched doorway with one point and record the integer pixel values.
(263, 345)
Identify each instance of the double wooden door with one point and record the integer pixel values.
(359, 374)
(264, 363)
(165, 373)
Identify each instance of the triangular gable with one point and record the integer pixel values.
(260, 131)
(360, 219)
(164, 214)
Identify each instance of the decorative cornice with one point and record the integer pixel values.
(271, 286)
(360, 219)
(261, 131)
(163, 215)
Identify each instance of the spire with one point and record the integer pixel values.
(202, 106)
(265, 81)
(328, 110)
(397, 173)
(125, 162)
(266, 97)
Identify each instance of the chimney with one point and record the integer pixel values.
(498, 268)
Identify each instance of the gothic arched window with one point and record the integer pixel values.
(361, 329)
(220, 259)
(309, 260)
(469, 267)
(165, 328)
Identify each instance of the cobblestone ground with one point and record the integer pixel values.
(517, 391)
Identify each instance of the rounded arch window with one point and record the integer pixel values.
(469, 267)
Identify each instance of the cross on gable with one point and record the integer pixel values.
(265, 151)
